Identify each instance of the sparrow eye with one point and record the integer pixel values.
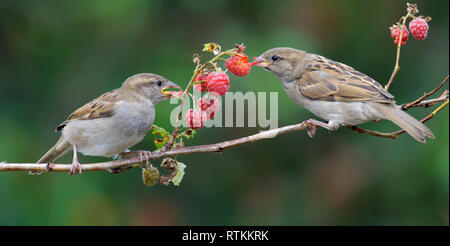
(159, 83)
(275, 58)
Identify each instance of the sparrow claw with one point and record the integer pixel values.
(140, 159)
(311, 131)
(75, 163)
(312, 124)
(76, 166)
(317, 123)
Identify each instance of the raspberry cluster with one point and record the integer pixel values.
(207, 107)
(216, 82)
(418, 28)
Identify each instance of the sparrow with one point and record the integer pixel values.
(113, 122)
(336, 92)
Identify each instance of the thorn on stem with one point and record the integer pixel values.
(219, 150)
(49, 167)
(119, 169)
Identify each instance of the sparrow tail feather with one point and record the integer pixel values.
(59, 149)
(408, 123)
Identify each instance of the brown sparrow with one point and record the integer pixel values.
(113, 122)
(336, 92)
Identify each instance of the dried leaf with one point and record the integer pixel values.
(212, 47)
(189, 133)
(412, 8)
(180, 174)
(196, 59)
(150, 176)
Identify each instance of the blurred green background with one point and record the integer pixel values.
(57, 55)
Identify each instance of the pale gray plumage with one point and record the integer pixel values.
(336, 92)
(113, 122)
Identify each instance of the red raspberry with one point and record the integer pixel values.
(238, 64)
(395, 34)
(218, 82)
(419, 28)
(200, 86)
(210, 106)
(195, 119)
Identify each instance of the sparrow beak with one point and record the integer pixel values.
(170, 85)
(260, 62)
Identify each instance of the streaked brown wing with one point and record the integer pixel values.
(100, 107)
(328, 80)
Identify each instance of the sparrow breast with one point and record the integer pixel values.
(115, 134)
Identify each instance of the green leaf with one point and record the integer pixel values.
(159, 142)
(164, 136)
(188, 133)
(157, 130)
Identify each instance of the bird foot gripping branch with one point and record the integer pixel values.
(312, 125)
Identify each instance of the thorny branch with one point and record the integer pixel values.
(420, 102)
(125, 164)
(110, 166)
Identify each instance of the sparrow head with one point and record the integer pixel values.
(283, 62)
(150, 85)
